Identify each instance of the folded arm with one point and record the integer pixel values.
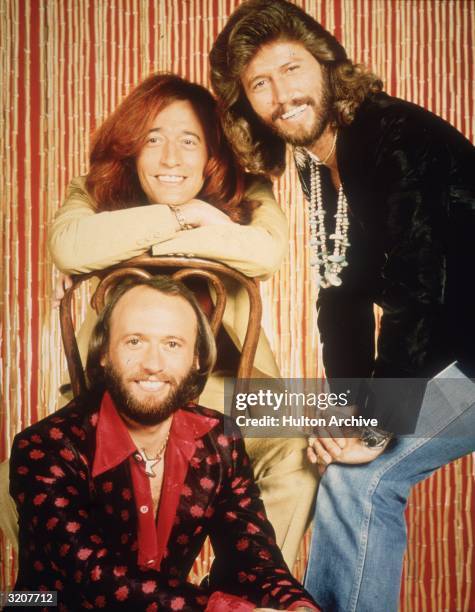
(256, 249)
(83, 240)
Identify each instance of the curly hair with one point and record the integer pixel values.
(112, 179)
(252, 25)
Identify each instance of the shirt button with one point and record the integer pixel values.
(150, 561)
(138, 457)
(144, 509)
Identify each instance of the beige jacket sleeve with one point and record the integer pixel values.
(256, 249)
(82, 240)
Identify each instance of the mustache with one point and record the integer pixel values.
(284, 108)
(142, 375)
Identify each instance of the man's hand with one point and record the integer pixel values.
(198, 213)
(339, 444)
(324, 451)
(62, 284)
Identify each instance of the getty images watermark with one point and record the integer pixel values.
(291, 404)
(295, 407)
(292, 407)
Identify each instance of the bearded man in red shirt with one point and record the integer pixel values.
(117, 491)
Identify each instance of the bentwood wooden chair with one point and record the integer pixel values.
(179, 268)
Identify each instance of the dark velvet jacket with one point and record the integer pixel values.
(78, 533)
(409, 178)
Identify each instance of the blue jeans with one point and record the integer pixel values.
(359, 536)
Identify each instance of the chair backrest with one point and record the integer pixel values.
(179, 268)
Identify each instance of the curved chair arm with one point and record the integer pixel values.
(179, 268)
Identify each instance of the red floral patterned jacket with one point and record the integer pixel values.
(82, 535)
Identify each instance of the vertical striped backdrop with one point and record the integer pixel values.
(65, 64)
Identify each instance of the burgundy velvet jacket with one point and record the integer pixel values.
(82, 533)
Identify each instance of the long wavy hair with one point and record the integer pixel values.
(256, 23)
(205, 347)
(113, 181)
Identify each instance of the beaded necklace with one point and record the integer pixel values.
(328, 266)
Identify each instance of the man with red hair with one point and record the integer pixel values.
(163, 177)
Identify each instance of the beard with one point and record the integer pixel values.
(152, 411)
(306, 135)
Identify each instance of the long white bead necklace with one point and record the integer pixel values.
(328, 267)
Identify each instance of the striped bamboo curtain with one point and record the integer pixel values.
(65, 64)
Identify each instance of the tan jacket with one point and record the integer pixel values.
(82, 240)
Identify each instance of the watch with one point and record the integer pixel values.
(374, 437)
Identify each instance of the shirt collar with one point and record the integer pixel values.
(114, 443)
(313, 157)
(303, 155)
(304, 168)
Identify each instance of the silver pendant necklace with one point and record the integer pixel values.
(151, 463)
